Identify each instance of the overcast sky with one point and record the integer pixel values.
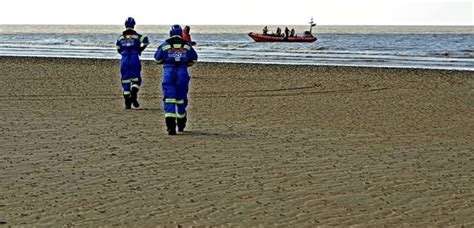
(240, 12)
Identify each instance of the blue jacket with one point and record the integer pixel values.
(175, 52)
(131, 43)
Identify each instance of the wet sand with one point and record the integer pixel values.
(291, 146)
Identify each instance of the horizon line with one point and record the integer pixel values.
(397, 25)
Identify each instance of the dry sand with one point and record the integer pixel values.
(266, 146)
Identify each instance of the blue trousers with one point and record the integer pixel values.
(130, 70)
(175, 87)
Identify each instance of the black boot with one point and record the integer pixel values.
(128, 102)
(171, 125)
(181, 124)
(134, 97)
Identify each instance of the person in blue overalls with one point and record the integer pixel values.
(131, 45)
(176, 55)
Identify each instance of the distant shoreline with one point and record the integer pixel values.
(206, 29)
(239, 63)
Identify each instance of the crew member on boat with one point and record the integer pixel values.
(292, 32)
(287, 32)
(278, 31)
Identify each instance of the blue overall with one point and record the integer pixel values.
(175, 55)
(130, 45)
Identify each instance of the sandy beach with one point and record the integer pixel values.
(266, 145)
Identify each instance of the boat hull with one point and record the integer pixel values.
(269, 38)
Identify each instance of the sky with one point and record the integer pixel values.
(240, 12)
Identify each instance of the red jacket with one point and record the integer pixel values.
(186, 37)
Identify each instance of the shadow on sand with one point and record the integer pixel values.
(197, 133)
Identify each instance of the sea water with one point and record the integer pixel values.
(433, 47)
